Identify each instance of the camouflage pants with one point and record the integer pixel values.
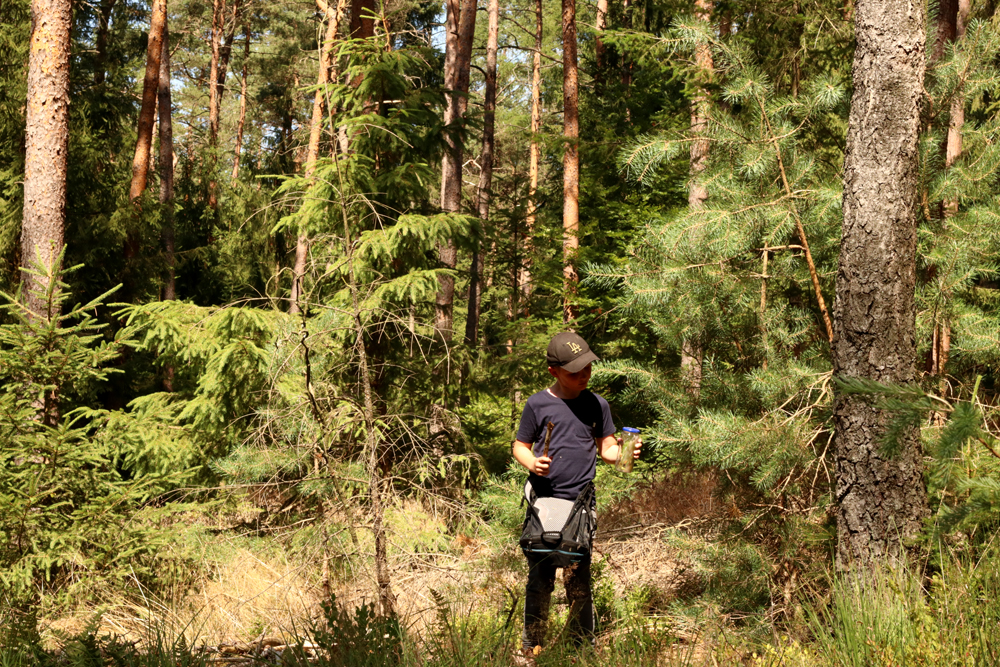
(538, 595)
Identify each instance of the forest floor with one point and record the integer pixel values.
(269, 586)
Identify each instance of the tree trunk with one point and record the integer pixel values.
(953, 148)
(362, 19)
(486, 162)
(101, 41)
(460, 26)
(535, 153)
(167, 164)
(218, 13)
(880, 500)
(150, 89)
(571, 161)
(243, 103)
(166, 161)
(691, 352)
(315, 134)
(600, 23)
(46, 143)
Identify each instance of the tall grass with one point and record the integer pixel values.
(899, 617)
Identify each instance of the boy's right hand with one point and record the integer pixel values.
(541, 466)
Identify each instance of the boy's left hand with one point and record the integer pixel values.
(636, 451)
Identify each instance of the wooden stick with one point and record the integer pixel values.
(548, 438)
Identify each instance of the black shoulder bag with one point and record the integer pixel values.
(561, 529)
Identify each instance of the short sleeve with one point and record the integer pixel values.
(528, 428)
(609, 425)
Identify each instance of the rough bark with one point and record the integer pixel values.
(166, 161)
(880, 500)
(315, 134)
(460, 25)
(571, 160)
(241, 123)
(46, 142)
(486, 164)
(947, 27)
(101, 41)
(150, 90)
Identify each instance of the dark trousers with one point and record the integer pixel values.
(538, 595)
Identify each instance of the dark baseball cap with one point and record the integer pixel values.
(569, 351)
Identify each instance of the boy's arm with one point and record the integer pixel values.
(536, 464)
(610, 448)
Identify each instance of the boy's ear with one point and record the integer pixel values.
(552, 371)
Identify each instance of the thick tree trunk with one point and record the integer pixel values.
(167, 165)
(533, 159)
(240, 124)
(571, 160)
(150, 89)
(315, 134)
(46, 142)
(460, 25)
(486, 163)
(101, 41)
(880, 500)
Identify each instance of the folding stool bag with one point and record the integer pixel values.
(558, 528)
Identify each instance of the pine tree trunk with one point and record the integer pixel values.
(101, 41)
(218, 12)
(571, 160)
(953, 148)
(147, 112)
(486, 163)
(460, 25)
(600, 23)
(46, 143)
(362, 21)
(166, 161)
(534, 156)
(315, 134)
(691, 351)
(880, 500)
(240, 124)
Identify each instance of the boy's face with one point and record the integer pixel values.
(571, 383)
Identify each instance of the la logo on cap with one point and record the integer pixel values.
(576, 349)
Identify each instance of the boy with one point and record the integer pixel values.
(582, 430)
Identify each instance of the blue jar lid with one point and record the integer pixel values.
(629, 429)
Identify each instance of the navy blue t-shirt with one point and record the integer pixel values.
(578, 422)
